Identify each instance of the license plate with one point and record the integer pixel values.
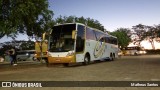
(58, 59)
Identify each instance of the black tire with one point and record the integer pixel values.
(46, 60)
(47, 63)
(18, 59)
(111, 57)
(34, 59)
(66, 64)
(135, 54)
(86, 60)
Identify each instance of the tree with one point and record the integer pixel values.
(146, 32)
(157, 32)
(90, 22)
(123, 36)
(26, 45)
(24, 16)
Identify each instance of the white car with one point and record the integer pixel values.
(25, 55)
(141, 52)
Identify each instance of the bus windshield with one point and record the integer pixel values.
(61, 38)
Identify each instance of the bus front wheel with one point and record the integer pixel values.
(66, 64)
(86, 60)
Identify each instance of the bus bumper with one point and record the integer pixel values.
(68, 59)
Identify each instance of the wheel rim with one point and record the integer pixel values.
(86, 60)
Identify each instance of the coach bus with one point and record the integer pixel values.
(76, 42)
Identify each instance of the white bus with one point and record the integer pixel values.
(75, 42)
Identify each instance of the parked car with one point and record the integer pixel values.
(120, 53)
(25, 55)
(141, 52)
(134, 50)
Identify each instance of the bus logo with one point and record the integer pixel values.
(99, 49)
(6, 84)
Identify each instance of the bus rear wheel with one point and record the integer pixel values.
(86, 60)
(112, 56)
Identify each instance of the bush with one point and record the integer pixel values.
(153, 51)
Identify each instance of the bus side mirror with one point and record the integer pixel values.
(50, 31)
(43, 36)
(73, 34)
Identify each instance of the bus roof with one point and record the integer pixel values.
(86, 26)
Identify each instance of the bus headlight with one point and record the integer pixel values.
(27, 54)
(49, 54)
(35, 54)
(70, 53)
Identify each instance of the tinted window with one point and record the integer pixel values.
(25, 52)
(102, 39)
(32, 52)
(90, 34)
(62, 38)
(107, 39)
(80, 39)
(113, 41)
(132, 48)
(97, 35)
(19, 53)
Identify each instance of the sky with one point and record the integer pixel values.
(112, 14)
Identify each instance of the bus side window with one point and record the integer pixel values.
(106, 39)
(90, 34)
(102, 39)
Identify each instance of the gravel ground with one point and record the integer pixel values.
(126, 68)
